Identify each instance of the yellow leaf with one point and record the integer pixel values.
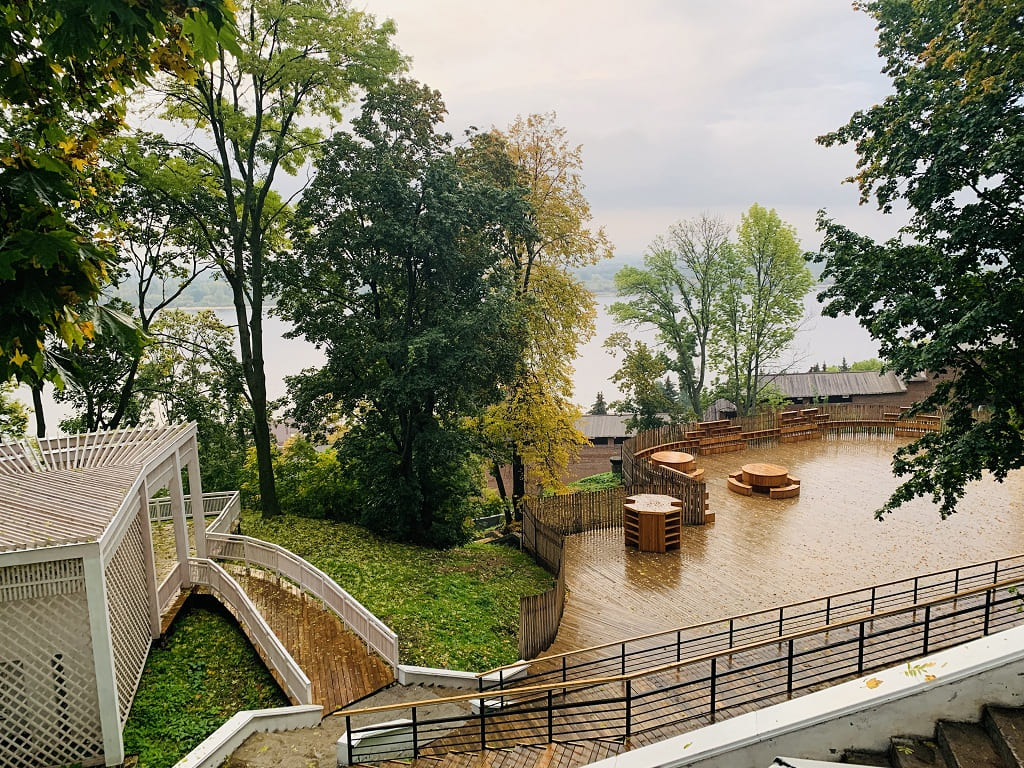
(78, 163)
(57, 68)
(67, 145)
(873, 683)
(88, 329)
(929, 677)
(76, 203)
(19, 358)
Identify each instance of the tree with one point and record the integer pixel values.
(676, 293)
(191, 373)
(600, 407)
(399, 276)
(96, 372)
(761, 302)
(945, 295)
(67, 67)
(13, 416)
(253, 117)
(535, 425)
(639, 380)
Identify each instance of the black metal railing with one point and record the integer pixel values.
(699, 689)
(639, 653)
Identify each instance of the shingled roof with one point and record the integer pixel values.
(840, 384)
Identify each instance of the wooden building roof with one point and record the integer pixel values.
(67, 490)
(840, 384)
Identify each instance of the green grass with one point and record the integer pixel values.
(203, 672)
(456, 608)
(597, 482)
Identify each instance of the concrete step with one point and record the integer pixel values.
(1006, 727)
(915, 752)
(967, 745)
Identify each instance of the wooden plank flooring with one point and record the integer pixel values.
(761, 552)
(336, 660)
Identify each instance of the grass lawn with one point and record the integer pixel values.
(456, 608)
(200, 675)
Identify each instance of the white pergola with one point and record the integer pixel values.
(79, 600)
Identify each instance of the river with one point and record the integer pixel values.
(819, 340)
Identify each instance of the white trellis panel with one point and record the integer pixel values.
(128, 607)
(49, 710)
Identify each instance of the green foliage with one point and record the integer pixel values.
(252, 116)
(67, 68)
(402, 283)
(871, 364)
(600, 407)
(945, 296)
(456, 608)
(13, 415)
(598, 482)
(203, 672)
(761, 303)
(683, 277)
(535, 423)
(639, 378)
(311, 483)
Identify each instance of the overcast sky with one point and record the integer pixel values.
(681, 106)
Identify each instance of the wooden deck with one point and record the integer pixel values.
(762, 552)
(335, 660)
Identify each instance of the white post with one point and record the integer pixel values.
(195, 489)
(178, 514)
(149, 561)
(103, 657)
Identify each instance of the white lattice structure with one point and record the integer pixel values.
(79, 599)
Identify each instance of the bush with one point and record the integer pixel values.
(310, 483)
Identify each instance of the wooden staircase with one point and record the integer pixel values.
(554, 755)
(996, 742)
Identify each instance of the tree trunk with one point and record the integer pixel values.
(518, 483)
(496, 474)
(37, 406)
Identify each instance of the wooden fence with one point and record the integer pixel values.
(578, 512)
(539, 615)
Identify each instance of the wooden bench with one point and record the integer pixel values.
(738, 486)
(784, 492)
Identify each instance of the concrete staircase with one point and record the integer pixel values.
(996, 742)
(555, 755)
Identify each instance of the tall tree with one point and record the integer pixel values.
(944, 296)
(253, 117)
(13, 416)
(761, 304)
(67, 67)
(399, 276)
(638, 377)
(535, 425)
(676, 292)
(600, 407)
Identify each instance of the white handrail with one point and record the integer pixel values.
(169, 588)
(293, 679)
(374, 632)
(224, 504)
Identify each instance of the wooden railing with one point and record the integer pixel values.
(700, 689)
(540, 615)
(170, 587)
(226, 505)
(375, 633)
(287, 672)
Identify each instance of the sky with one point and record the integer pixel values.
(681, 107)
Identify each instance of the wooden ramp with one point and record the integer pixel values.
(336, 661)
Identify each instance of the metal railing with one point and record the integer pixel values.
(287, 671)
(697, 690)
(639, 653)
(375, 633)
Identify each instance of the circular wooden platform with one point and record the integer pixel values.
(678, 460)
(765, 475)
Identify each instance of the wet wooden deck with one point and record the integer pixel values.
(335, 660)
(761, 552)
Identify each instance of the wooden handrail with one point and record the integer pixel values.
(593, 681)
